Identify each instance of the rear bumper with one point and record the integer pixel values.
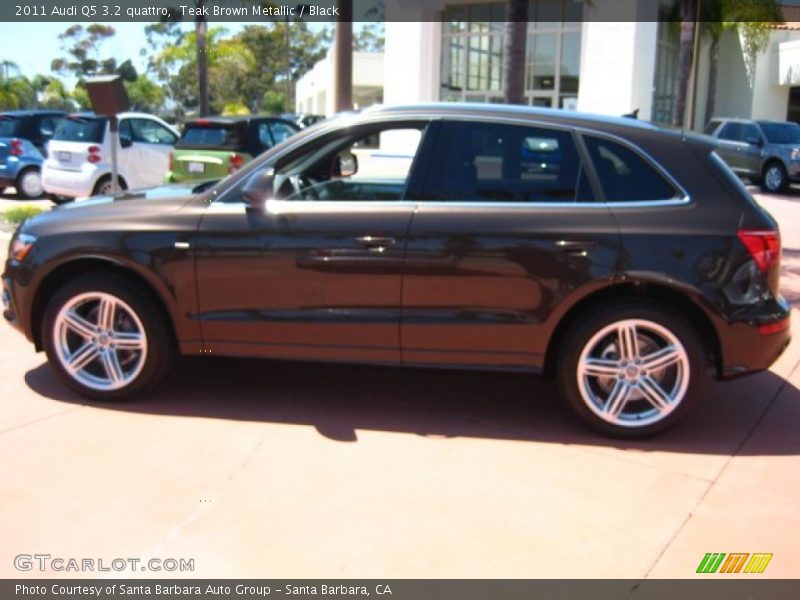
(752, 346)
(69, 183)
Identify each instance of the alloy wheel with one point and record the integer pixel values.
(31, 184)
(774, 178)
(100, 341)
(633, 373)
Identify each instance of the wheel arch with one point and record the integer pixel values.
(642, 290)
(77, 266)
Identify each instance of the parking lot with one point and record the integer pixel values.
(261, 469)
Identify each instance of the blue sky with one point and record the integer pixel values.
(33, 45)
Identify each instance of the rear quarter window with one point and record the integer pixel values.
(9, 126)
(624, 175)
(88, 130)
(211, 137)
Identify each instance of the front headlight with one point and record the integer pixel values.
(21, 246)
(795, 155)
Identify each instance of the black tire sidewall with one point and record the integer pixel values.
(160, 350)
(581, 333)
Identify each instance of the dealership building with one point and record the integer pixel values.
(605, 56)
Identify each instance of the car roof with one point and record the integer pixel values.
(31, 112)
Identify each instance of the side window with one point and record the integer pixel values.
(750, 133)
(339, 168)
(280, 131)
(125, 131)
(47, 126)
(264, 136)
(624, 175)
(489, 162)
(731, 132)
(151, 132)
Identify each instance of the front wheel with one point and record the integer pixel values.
(775, 179)
(106, 337)
(632, 370)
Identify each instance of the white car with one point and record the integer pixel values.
(79, 154)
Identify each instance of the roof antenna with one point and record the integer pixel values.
(634, 114)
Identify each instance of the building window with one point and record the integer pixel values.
(666, 70)
(473, 39)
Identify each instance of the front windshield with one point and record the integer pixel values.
(781, 133)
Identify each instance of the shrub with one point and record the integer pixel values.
(17, 214)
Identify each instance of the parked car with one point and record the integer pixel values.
(23, 137)
(79, 155)
(213, 147)
(630, 271)
(767, 152)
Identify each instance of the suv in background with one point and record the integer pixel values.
(766, 152)
(79, 157)
(213, 147)
(23, 137)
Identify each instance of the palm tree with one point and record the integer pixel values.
(514, 55)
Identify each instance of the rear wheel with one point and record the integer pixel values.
(29, 184)
(775, 179)
(104, 187)
(106, 337)
(632, 370)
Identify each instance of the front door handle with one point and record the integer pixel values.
(375, 242)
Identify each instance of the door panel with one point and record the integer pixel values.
(499, 245)
(303, 279)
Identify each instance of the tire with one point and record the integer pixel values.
(109, 363)
(103, 186)
(615, 394)
(29, 184)
(775, 180)
(58, 199)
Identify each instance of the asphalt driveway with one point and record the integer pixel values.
(292, 470)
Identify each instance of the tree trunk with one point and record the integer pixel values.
(343, 57)
(713, 64)
(688, 10)
(201, 28)
(514, 55)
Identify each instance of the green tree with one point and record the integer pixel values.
(16, 93)
(81, 46)
(370, 38)
(145, 95)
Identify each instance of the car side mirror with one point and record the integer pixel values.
(125, 142)
(258, 189)
(345, 164)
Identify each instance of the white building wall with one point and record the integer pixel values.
(412, 62)
(315, 88)
(771, 96)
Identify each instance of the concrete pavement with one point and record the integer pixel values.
(284, 470)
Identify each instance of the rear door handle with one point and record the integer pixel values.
(373, 241)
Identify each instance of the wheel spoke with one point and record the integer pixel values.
(654, 393)
(627, 341)
(82, 357)
(128, 341)
(79, 325)
(112, 366)
(667, 356)
(106, 312)
(601, 367)
(617, 399)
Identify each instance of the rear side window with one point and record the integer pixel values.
(211, 137)
(490, 162)
(151, 132)
(624, 175)
(733, 132)
(711, 127)
(9, 126)
(81, 129)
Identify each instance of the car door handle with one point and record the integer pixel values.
(375, 242)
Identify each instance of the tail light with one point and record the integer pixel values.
(235, 161)
(16, 147)
(94, 154)
(763, 246)
(170, 161)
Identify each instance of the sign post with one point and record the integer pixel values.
(109, 98)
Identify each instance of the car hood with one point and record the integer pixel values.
(117, 210)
